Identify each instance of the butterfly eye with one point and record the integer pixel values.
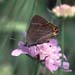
(55, 28)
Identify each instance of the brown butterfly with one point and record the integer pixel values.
(40, 31)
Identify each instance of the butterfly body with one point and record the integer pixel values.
(40, 31)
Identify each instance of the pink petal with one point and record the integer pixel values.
(53, 42)
(65, 65)
(16, 52)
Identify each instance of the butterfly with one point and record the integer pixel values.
(40, 31)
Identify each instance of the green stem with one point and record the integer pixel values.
(62, 43)
(36, 69)
(62, 37)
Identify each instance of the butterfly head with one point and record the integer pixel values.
(55, 31)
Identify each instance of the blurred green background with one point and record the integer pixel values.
(15, 16)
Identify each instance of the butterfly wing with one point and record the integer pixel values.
(52, 32)
(39, 31)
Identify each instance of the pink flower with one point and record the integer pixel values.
(49, 52)
(64, 10)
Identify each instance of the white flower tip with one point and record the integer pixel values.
(67, 70)
(16, 52)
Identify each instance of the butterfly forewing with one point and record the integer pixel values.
(40, 30)
(39, 20)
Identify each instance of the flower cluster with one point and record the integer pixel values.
(64, 10)
(49, 52)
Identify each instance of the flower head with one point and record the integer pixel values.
(64, 10)
(49, 52)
